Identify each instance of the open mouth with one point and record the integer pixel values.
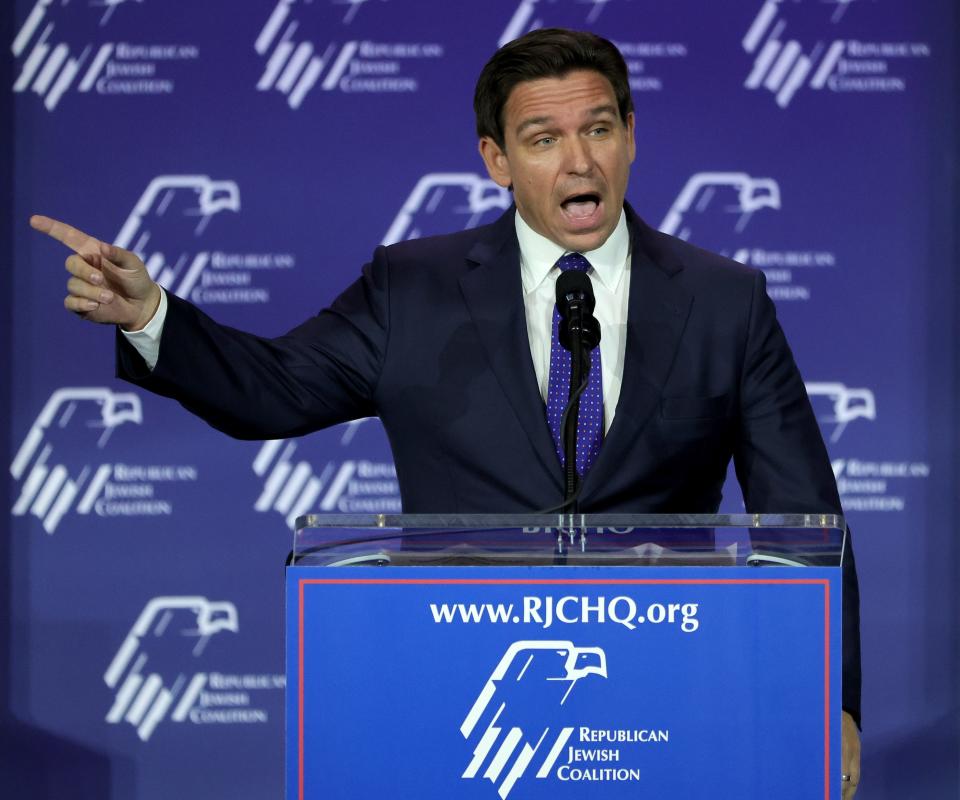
(581, 208)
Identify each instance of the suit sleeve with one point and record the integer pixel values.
(321, 373)
(781, 461)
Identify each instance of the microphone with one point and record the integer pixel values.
(578, 332)
(575, 302)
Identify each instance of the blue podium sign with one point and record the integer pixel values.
(536, 682)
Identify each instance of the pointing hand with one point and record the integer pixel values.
(110, 285)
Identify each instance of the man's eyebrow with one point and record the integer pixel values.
(597, 111)
(529, 123)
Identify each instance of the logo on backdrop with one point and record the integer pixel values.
(442, 202)
(714, 210)
(167, 229)
(300, 54)
(844, 406)
(803, 43)
(63, 45)
(160, 672)
(292, 486)
(60, 463)
(865, 484)
(645, 59)
(531, 679)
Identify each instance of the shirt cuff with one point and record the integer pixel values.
(146, 341)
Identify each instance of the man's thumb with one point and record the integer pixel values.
(122, 258)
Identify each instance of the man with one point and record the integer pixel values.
(450, 340)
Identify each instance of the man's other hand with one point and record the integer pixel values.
(108, 284)
(850, 755)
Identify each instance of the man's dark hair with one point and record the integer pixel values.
(546, 53)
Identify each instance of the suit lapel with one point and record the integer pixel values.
(494, 296)
(658, 311)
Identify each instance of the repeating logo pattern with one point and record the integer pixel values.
(547, 670)
(845, 406)
(165, 229)
(295, 42)
(783, 64)
(61, 44)
(88, 416)
(144, 695)
(443, 202)
(714, 209)
(292, 486)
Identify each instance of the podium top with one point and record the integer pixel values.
(559, 539)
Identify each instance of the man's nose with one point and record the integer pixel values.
(577, 157)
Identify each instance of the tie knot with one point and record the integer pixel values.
(573, 261)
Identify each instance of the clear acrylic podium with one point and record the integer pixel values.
(521, 656)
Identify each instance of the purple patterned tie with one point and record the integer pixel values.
(590, 423)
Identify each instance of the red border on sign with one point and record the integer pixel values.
(825, 583)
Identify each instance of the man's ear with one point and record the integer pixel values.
(498, 168)
(631, 136)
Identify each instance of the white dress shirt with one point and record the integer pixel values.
(610, 276)
(538, 258)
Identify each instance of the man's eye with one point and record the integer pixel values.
(543, 141)
(599, 131)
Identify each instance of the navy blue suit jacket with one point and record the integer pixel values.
(432, 339)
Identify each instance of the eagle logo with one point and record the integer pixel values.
(147, 671)
(172, 211)
(718, 203)
(85, 417)
(447, 201)
(532, 681)
(845, 405)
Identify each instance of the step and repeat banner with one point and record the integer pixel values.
(255, 153)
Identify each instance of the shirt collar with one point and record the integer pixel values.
(538, 255)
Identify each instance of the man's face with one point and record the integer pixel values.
(567, 154)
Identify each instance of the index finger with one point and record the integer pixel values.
(78, 241)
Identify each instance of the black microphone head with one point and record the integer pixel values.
(575, 302)
(574, 288)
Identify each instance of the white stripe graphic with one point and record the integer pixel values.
(93, 490)
(46, 76)
(300, 57)
(826, 66)
(94, 72)
(60, 507)
(120, 660)
(481, 703)
(338, 485)
(265, 456)
(154, 264)
(293, 488)
(197, 682)
(33, 21)
(306, 82)
(274, 65)
(123, 698)
(518, 768)
(148, 692)
(273, 486)
(273, 24)
(500, 759)
(554, 753)
(795, 80)
(62, 84)
(759, 26)
(30, 66)
(339, 66)
(186, 285)
(24, 454)
(306, 501)
(34, 482)
(155, 714)
(787, 56)
(482, 750)
(518, 23)
(762, 64)
(42, 504)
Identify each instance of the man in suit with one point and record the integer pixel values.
(452, 341)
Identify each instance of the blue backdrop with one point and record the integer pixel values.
(255, 153)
